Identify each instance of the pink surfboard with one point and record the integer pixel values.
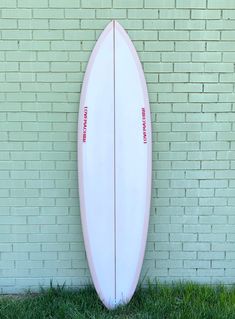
(114, 165)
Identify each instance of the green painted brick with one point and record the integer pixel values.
(226, 97)
(16, 34)
(187, 107)
(48, 13)
(159, 4)
(220, 24)
(66, 45)
(96, 4)
(34, 66)
(204, 35)
(16, 13)
(8, 4)
(219, 67)
(191, 4)
(64, 3)
(189, 67)
(190, 46)
(47, 34)
(218, 87)
(190, 24)
(30, 4)
(228, 14)
(65, 24)
(206, 56)
(20, 56)
(35, 87)
(174, 14)
(161, 67)
(8, 24)
(33, 24)
(227, 35)
(22, 96)
(159, 46)
(205, 14)
(173, 35)
(10, 87)
(79, 35)
(204, 77)
(174, 77)
(216, 4)
(216, 107)
(221, 46)
(187, 87)
(51, 77)
(139, 14)
(80, 13)
(51, 96)
(128, 4)
(52, 56)
(34, 45)
(203, 98)
(22, 136)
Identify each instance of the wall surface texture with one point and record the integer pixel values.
(187, 49)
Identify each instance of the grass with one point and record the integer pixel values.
(178, 301)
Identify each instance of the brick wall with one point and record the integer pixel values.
(187, 49)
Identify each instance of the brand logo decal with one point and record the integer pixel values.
(144, 125)
(84, 124)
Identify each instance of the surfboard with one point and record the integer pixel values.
(114, 165)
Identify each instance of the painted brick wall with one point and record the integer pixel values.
(188, 52)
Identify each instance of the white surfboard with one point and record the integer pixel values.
(114, 165)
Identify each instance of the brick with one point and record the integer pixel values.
(132, 13)
(47, 34)
(220, 24)
(173, 35)
(190, 46)
(158, 24)
(173, 77)
(189, 87)
(96, 4)
(176, 57)
(189, 67)
(190, 25)
(8, 24)
(159, 46)
(201, 136)
(206, 56)
(16, 34)
(221, 46)
(8, 4)
(202, 98)
(159, 4)
(205, 14)
(204, 35)
(16, 13)
(129, 4)
(20, 56)
(64, 4)
(227, 57)
(216, 4)
(33, 24)
(174, 14)
(228, 14)
(191, 4)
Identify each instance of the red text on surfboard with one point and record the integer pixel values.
(84, 124)
(144, 126)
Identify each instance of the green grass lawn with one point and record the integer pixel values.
(158, 301)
